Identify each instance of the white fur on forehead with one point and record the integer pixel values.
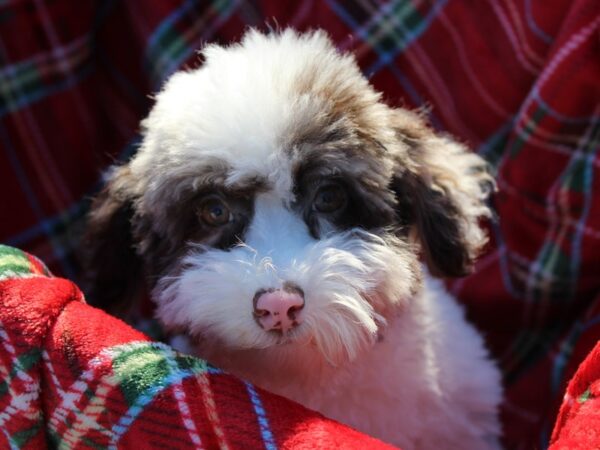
(239, 108)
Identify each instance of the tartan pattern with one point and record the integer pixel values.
(21, 418)
(73, 377)
(139, 372)
(19, 394)
(515, 79)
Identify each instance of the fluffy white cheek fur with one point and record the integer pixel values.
(351, 281)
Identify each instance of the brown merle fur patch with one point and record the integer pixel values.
(125, 245)
(442, 189)
(113, 270)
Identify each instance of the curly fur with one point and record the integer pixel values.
(263, 125)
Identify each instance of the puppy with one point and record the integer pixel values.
(280, 213)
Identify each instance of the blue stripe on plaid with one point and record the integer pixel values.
(48, 225)
(552, 259)
(211, 370)
(591, 323)
(175, 376)
(406, 39)
(170, 20)
(23, 100)
(153, 39)
(408, 36)
(167, 61)
(121, 427)
(503, 261)
(544, 436)
(386, 58)
(535, 94)
(261, 415)
(493, 152)
(588, 176)
(534, 26)
(163, 57)
(562, 358)
(491, 142)
(492, 149)
(10, 439)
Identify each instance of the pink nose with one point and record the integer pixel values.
(278, 309)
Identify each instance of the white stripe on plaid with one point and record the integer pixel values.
(48, 24)
(86, 419)
(522, 34)
(184, 409)
(514, 40)
(20, 402)
(468, 68)
(36, 152)
(574, 42)
(211, 409)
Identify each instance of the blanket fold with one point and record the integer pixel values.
(74, 377)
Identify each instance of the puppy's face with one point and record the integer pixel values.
(276, 201)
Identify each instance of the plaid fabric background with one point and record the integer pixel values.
(518, 80)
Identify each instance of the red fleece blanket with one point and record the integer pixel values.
(578, 423)
(72, 376)
(75, 377)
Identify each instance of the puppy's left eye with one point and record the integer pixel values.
(214, 212)
(330, 198)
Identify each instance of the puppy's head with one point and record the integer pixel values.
(275, 201)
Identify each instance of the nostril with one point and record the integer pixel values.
(260, 312)
(293, 310)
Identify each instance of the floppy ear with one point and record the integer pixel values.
(442, 190)
(112, 269)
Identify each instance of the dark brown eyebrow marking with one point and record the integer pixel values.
(213, 174)
(251, 185)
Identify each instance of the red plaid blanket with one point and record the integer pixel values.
(73, 377)
(515, 79)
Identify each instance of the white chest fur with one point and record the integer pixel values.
(427, 384)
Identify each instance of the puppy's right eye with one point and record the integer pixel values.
(214, 212)
(330, 198)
